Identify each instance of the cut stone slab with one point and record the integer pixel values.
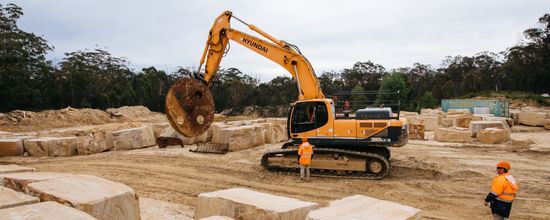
(96, 196)
(240, 203)
(19, 181)
(243, 137)
(90, 139)
(462, 135)
(133, 138)
(217, 217)
(430, 122)
(11, 198)
(532, 118)
(203, 138)
(219, 137)
(459, 112)
(51, 146)
(11, 147)
(493, 136)
(477, 126)
(417, 132)
(270, 136)
(43, 211)
(279, 128)
(12, 168)
(359, 207)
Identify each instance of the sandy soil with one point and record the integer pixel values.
(446, 181)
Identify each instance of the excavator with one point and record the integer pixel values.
(352, 147)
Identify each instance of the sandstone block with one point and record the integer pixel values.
(219, 137)
(493, 136)
(96, 196)
(12, 168)
(217, 217)
(19, 181)
(4, 134)
(279, 128)
(90, 139)
(417, 132)
(359, 207)
(270, 136)
(51, 146)
(43, 211)
(11, 147)
(547, 124)
(447, 122)
(477, 126)
(242, 137)
(463, 122)
(406, 113)
(507, 121)
(133, 138)
(532, 118)
(10, 198)
(462, 135)
(430, 122)
(239, 203)
(459, 112)
(159, 127)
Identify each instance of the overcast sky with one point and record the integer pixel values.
(333, 34)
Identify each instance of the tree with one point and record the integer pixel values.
(426, 101)
(367, 74)
(359, 100)
(393, 82)
(22, 63)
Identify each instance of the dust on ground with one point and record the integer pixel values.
(445, 181)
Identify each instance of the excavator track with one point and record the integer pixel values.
(328, 162)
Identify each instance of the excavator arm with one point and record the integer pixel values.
(189, 103)
(280, 52)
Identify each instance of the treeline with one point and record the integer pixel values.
(96, 79)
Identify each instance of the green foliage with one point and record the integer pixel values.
(393, 82)
(426, 101)
(359, 100)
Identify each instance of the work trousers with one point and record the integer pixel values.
(496, 216)
(302, 169)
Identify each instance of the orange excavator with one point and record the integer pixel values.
(355, 147)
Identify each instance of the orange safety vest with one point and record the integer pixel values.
(305, 150)
(504, 186)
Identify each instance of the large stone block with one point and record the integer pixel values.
(462, 135)
(158, 127)
(133, 138)
(477, 126)
(96, 196)
(203, 138)
(507, 121)
(19, 181)
(359, 207)
(12, 168)
(243, 137)
(493, 136)
(219, 137)
(405, 113)
(547, 124)
(270, 136)
(10, 198)
(279, 128)
(417, 132)
(217, 217)
(51, 146)
(43, 211)
(459, 112)
(532, 118)
(11, 147)
(430, 122)
(239, 203)
(90, 139)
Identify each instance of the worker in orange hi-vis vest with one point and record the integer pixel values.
(305, 151)
(503, 192)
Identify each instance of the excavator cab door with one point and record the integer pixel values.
(307, 118)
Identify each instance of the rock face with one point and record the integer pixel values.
(279, 128)
(12, 168)
(10, 198)
(462, 135)
(477, 126)
(532, 118)
(547, 124)
(133, 138)
(493, 136)
(239, 203)
(11, 147)
(51, 146)
(416, 132)
(359, 207)
(19, 181)
(43, 211)
(96, 196)
(90, 139)
(270, 136)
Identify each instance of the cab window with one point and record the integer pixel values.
(308, 116)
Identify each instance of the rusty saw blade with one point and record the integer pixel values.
(189, 107)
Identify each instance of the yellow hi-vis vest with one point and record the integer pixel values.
(305, 150)
(504, 186)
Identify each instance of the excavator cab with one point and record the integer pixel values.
(308, 118)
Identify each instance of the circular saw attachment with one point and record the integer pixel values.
(189, 107)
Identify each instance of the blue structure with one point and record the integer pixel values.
(497, 107)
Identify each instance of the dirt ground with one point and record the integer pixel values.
(446, 181)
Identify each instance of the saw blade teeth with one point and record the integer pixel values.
(189, 107)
